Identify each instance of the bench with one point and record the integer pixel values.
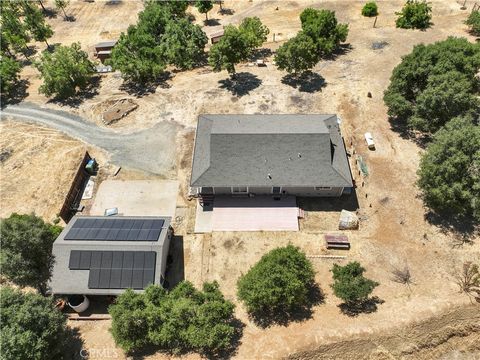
(337, 242)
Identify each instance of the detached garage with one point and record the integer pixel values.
(98, 255)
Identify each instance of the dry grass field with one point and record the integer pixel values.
(393, 232)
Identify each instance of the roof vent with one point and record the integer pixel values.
(269, 176)
(299, 155)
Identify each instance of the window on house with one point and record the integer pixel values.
(323, 188)
(239, 190)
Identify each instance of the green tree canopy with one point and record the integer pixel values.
(35, 22)
(182, 319)
(26, 250)
(31, 327)
(137, 56)
(297, 55)
(9, 69)
(279, 282)
(65, 71)
(322, 26)
(255, 32)
(449, 173)
(349, 283)
(415, 14)
(473, 21)
(435, 83)
(61, 5)
(14, 34)
(183, 43)
(204, 6)
(370, 9)
(232, 48)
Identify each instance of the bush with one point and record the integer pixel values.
(415, 14)
(26, 250)
(370, 9)
(183, 319)
(449, 173)
(279, 282)
(434, 84)
(297, 55)
(349, 283)
(473, 22)
(31, 327)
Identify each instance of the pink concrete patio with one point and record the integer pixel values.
(261, 213)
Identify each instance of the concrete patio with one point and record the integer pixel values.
(261, 213)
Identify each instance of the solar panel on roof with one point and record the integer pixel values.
(115, 269)
(106, 229)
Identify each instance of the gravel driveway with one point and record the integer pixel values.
(151, 150)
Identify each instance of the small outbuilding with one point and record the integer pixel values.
(102, 255)
(103, 50)
(215, 37)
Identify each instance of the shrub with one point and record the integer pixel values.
(415, 14)
(449, 173)
(370, 9)
(279, 282)
(183, 319)
(26, 250)
(473, 21)
(31, 327)
(434, 84)
(349, 283)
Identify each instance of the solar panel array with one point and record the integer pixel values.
(115, 269)
(115, 229)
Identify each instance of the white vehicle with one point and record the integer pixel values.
(369, 140)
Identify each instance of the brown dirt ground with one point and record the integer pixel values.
(393, 231)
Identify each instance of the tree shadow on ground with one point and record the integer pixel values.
(212, 22)
(401, 128)
(50, 13)
(141, 89)
(70, 18)
(89, 92)
(241, 84)
(227, 353)
(18, 93)
(283, 317)
(260, 54)
(342, 49)
(463, 229)
(306, 82)
(356, 308)
(74, 348)
(225, 11)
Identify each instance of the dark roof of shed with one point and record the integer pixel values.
(269, 150)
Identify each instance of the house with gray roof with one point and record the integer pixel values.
(301, 155)
(104, 255)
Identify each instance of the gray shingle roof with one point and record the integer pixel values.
(66, 281)
(295, 150)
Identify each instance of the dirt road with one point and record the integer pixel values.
(151, 150)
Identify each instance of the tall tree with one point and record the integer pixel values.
(322, 26)
(204, 6)
(435, 83)
(62, 4)
(183, 43)
(32, 328)
(473, 21)
(65, 71)
(232, 48)
(255, 32)
(138, 56)
(9, 69)
(35, 23)
(297, 55)
(26, 250)
(449, 172)
(14, 34)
